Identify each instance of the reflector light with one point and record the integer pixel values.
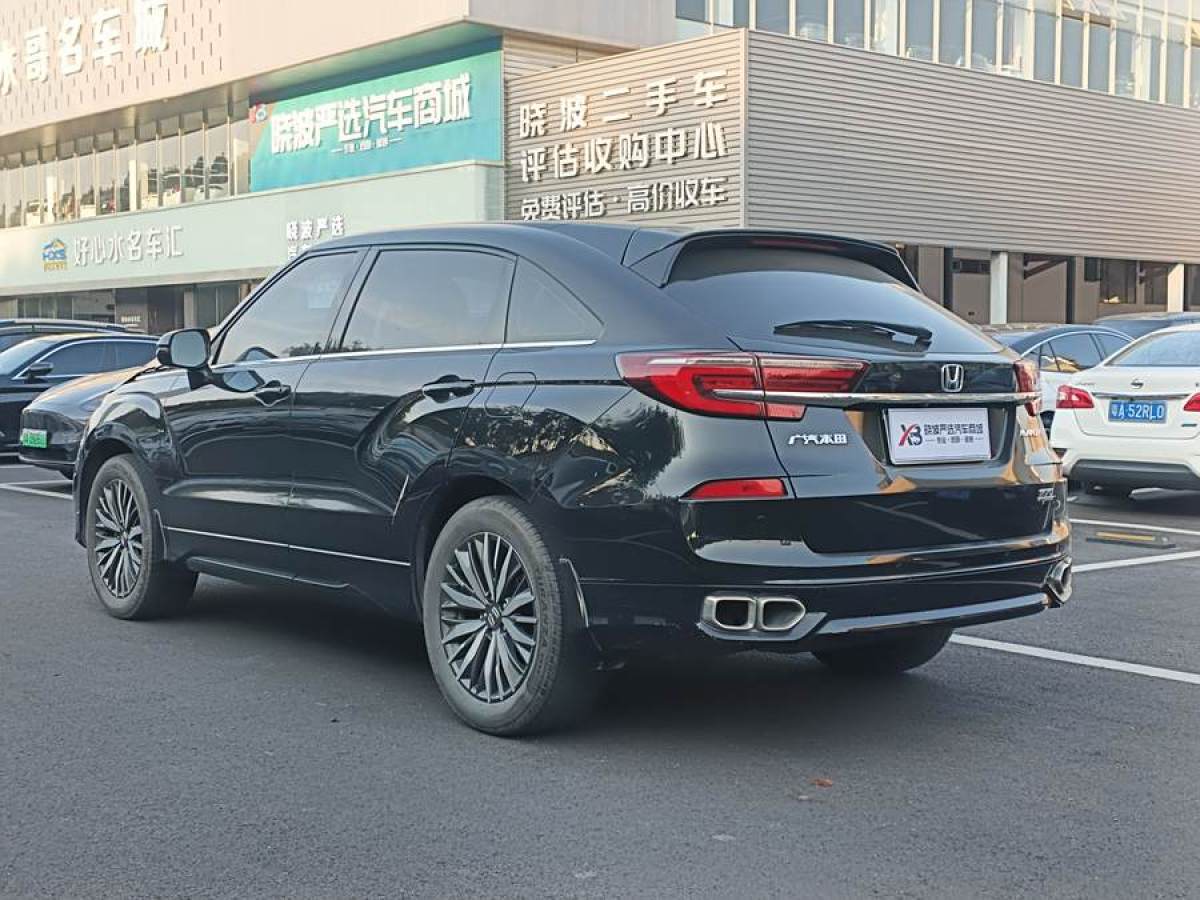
(744, 385)
(1029, 380)
(740, 489)
(1070, 397)
(1193, 404)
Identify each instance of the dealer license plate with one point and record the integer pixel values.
(938, 435)
(35, 438)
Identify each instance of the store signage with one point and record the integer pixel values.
(100, 38)
(54, 256)
(303, 233)
(624, 148)
(128, 246)
(441, 113)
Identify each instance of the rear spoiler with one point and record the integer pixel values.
(652, 254)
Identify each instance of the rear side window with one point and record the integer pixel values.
(11, 340)
(133, 353)
(1046, 360)
(780, 293)
(543, 310)
(1181, 349)
(1075, 352)
(79, 359)
(416, 299)
(1110, 343)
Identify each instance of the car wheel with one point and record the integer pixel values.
(504, 634)
(125, 554)
(888, 657)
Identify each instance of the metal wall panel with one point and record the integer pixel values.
(621, 98)
(526, 55)
(870, 145)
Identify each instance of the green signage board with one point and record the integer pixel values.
(439, 113)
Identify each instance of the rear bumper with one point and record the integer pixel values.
(1126, 461)
(1135, 474)
(629, 618)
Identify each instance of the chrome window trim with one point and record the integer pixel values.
(100, 336)
(247, 540)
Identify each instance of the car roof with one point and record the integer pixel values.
(633, 246)
(67, 337)
(1029, 335)
(1186, 315)
(80, 324)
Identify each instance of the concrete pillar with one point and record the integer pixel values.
(1175, 288)
(998, 288)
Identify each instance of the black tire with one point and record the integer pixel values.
(888, 657)
(559, 680)
(158, 588)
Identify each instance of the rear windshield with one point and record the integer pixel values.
(768, 292)
(1178, 349)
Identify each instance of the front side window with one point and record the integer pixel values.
(133, 353)
(292, 317)
(1179, 349)
(1075, 352)
(78, 359)
(419, 299)
(543, 310)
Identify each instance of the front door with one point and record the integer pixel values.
(231, 434)
(374, 424)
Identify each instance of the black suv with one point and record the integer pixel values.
(558, 446)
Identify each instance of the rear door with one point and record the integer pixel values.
(1142, 391)
(374, 421)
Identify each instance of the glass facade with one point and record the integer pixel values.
(1145, 49)
(153, 310)
(189, 159)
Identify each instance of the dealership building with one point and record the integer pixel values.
(1034, 160)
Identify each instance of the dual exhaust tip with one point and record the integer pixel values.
(1060, 583)
(733, 613)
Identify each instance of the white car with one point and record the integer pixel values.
(1134, 420)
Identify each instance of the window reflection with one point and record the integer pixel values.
(918, 29)
(194, 164)
(849, 23)
(1099, 40)
(812, 19)
(983, 34)
(124, 170)
(1072, 51)
(952, 39)
(106, 175)
(146, 153)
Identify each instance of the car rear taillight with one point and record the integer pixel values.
(1029, 381)
(1193, 404)
(747, 385)
(1070, 397)
(739, 489)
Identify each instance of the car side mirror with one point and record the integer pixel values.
(38, 370)
(187, 348)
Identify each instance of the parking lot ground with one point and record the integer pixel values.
(270, 743)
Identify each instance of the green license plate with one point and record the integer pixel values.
(34, 437)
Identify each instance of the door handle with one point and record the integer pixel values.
(448, 386)
(272, 392)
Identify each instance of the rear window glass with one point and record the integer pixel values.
(787, 295)
(1179, 349)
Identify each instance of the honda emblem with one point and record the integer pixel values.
(953, 378)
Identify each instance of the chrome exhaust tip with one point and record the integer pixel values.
(780, 613)
(730, 613)
(1060, 583)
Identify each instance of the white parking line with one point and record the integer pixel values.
(1162, 529)
(1076, 659)
(1138, 561)
(17, 489)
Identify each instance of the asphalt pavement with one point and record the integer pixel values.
(274, 744)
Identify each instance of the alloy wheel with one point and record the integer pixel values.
(119, 533)
(488, 617)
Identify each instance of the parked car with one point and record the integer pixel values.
(52, 425)
(14, 331)
(1134, 420)
(1138, 324)
(1060, 351)
(32, 366)
(559, 446)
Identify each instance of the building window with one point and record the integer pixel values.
(1194, 74)
(32, 190)
(885, 26)
(918, 29)
(983, 34)
(1071, 55)
(812, 19)
(1176, 59)
(849, 23)
(1014, 59)
(125, 169)
(773, 15)
(732, 13)
(240, 147)
(85, 149)
(217, 153)
(1124, 75)
(145, 194)
(68, 182)
(106, 175)
(194, 164)
(1099, 53)
(1045, 34)
(170, 176)
(692, 10)
(952, 32)
(1152, 46)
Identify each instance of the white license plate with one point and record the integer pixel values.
(938, 435)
